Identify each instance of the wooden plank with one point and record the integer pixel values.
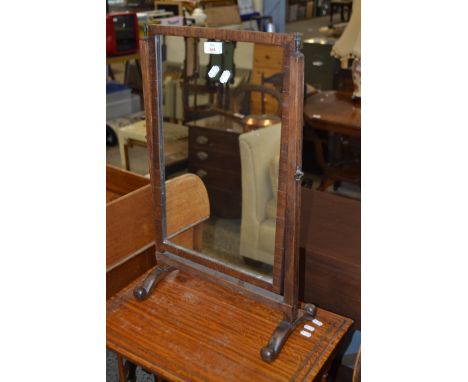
(122, 182)
(187, 203)
(153, 119)
(129, 225)
(123, 274)
(221, 34)
(293, 201)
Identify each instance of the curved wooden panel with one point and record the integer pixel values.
(187, 203)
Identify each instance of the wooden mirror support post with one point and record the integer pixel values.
(282, 293)
(292, 101)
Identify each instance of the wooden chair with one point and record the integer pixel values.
(348, 170)
(242, 95)
(197, 96)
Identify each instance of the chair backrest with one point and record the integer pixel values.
(239, 94)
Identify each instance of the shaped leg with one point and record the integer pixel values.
(282, 332)
(143, 291)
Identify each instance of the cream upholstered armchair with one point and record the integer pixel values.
(259, 152)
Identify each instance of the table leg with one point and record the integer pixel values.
(125, 161)
(123, 151)
(120, 365)
(111, 72)
(137, 63)
(126, 370)
(126, 72)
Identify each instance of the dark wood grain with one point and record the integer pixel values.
(120, 182)
(335, 113)
(219, 165)
(194, 330)
(293, 187)
(222, 34)
(331, 240)
(153, 119)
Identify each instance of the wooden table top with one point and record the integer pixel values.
(190, 329)
(333, 111)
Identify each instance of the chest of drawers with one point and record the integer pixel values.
(214, 156)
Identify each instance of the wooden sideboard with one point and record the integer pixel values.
(214, 156)
(331, 253)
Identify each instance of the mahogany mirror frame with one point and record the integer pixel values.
(282, 293)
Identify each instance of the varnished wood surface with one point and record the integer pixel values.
(128, 214)
(187, 203)
(121, 182)
(331, 239)
(222, 34)
(123, 274)
(292, 157)
(194, 330)
(129, 225)
(333, 111)
(110, 196)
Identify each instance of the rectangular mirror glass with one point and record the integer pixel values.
(222, 123)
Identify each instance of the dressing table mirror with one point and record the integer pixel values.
(244, 145)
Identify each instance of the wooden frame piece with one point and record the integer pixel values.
(283, 292)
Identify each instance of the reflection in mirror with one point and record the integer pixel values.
(222, 122)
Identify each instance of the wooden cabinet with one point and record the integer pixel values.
(214, 156)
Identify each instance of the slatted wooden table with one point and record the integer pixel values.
(193, 330)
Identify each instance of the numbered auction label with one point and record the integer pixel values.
(213, 47)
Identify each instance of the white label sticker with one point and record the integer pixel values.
(305, 333)
(213, 47)
(309, 328)
(317, 322)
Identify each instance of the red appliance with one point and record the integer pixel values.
(121, 33)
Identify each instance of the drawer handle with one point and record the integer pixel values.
(317, 63)
(202, 173)
(201, 139)
(202, 155)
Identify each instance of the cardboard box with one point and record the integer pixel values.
(220, 16)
